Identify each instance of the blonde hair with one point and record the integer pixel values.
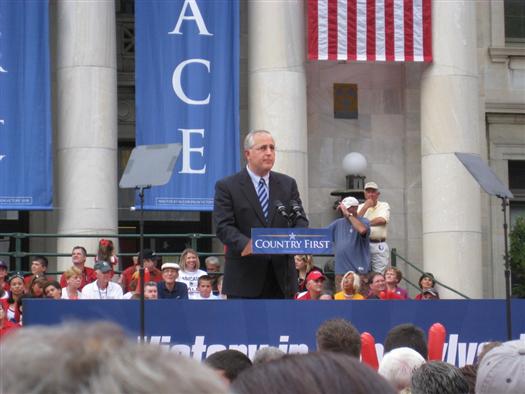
(72, 271)
(356, 283)
(184, 254)
(308, 259)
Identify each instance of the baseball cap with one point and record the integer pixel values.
(371, 185)
(350, 202)
(3, 264)
(502, 369)
(315, 275)
(102, 266)
(170, 265)
(431, 291)
(148, 254)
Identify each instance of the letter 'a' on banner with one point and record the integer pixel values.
(187, 92)
(25, 110)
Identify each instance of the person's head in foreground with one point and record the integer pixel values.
(340, 336)
(96, 358)
(312, 373)
(438, 377)
(228, 363)
(398, 365)
(502, 369)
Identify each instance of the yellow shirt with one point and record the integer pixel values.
(381, 210)
(341, 296)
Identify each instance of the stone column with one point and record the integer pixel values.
(450, 123)
(86, 122)
(277, 82)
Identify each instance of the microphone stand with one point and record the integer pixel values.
(281, 210)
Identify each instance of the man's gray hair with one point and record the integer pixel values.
(214, 260)
(398, 365)
(438, 377)
(265, 354)
(248, 140)
(86, 358)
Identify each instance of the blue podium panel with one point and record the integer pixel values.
(200, 328)
(292, 241)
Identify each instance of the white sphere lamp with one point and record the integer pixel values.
(354, 163)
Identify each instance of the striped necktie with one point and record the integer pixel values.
(262, 193)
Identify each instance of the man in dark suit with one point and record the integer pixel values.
(238, 209)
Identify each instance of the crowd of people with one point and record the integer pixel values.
(100, 358)
(181, 280)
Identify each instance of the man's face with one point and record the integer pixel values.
(212, 267)
(150, 292)
(103, 277)
(315, 286)
(170, 275)
(261, 156)
(205, 288)
(78, 257)
(372, 194)
(353, 210)
(378, 284)
(37, 267)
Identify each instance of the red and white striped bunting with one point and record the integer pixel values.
(370, 30)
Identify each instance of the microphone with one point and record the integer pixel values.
(297, 210)
(281, 209)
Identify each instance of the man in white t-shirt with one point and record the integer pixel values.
(102, 288)
(378, 213)
(205, 289)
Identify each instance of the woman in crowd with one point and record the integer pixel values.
(350, 285)
(36, 288)
(73, 279)
(189, 271)
(393, 277)
(16, 284)
(53, 290)
(426, 284)
(304, 264)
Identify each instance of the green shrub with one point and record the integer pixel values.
(517, 258)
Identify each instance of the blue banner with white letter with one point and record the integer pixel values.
(200, 328)
(292, 241)
(25, 116)
(187, 91)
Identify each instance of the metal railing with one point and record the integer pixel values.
(393, 258)
(18, 253)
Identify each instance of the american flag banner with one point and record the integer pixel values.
(370, 30)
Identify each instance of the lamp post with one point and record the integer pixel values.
(354, 166)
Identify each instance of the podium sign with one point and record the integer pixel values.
(291, 241)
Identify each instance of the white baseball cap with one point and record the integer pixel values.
(502, 370)
(371, 185)
(350, 202)
(170, 265)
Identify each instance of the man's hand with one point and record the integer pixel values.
(247, 249)
(367, 204)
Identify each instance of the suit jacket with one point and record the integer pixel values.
(236, 211)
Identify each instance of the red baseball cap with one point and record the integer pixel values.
(315, 275)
